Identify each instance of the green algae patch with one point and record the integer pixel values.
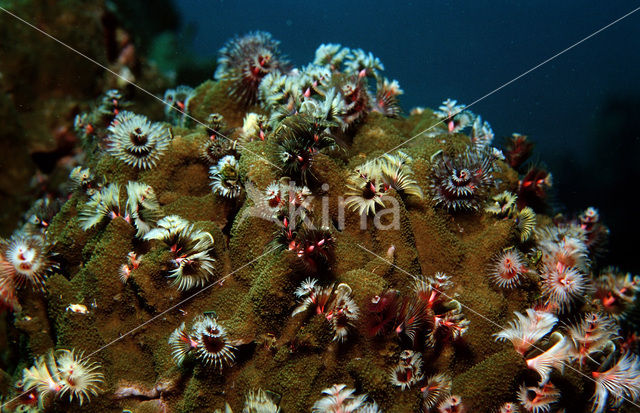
(295, 381)
(429, 148)
(151, 282)
(393, 235)
(376, 134)
(68, 237)
(422, 120)
(333, 176)
(259, 163)
(34, 322)
(364, 285)
(73, 329)
(481, 241)
(250, 238)
(490, 383)
(437, 246)
(271, 295)
(194, 396)
(62, 293)
(213, 97)
(201, 208)
(239, 319)
(101, 274)
(313, 335)
(181, 171)
(352, 257)
(506, 176)
(373, 376)
(116, 170)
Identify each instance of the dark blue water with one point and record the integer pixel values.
(579, 108)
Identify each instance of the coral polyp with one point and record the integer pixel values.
(436, 390)
(340, 398)
(620, 382)
(212, 344)
(365, 189)
(24, 261)
(177, 102)
(62, 373)
(370, 182)
(538, 399)
(225, 180)
(527, 330)
(508, 268)
(615, 291)
(461, 182)
(80, 378)
(563, 286)
(300, 138)
(136, 141)
(245, 61)
(408, 371)
(192, 260)
(207, 340)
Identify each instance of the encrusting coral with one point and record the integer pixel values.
(278, 243)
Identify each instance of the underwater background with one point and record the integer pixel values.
(279, 206)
